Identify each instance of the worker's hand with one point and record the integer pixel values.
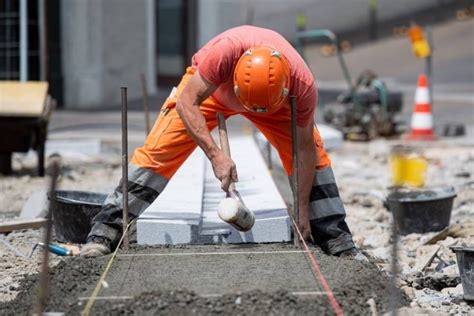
(304, 226)
(224, 170)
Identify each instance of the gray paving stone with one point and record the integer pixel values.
(183, 216)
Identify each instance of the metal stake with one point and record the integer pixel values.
(23, 40)
(42, 31)
(145, 104)
(43, 293)
(124, 167)
(269, 155)
(394, 294)
(429, 63)
(294, 178)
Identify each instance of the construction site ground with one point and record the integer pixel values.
(253, 279)
(278, 276)
(203, 280)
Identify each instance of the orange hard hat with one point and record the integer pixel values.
(262, 80)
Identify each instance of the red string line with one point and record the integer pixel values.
(332, 299)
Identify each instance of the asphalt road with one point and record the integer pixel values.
(393, 61)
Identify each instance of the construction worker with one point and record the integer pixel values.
(249, 71)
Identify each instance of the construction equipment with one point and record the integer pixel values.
(25, 109)
(367, 109)
(232, 209)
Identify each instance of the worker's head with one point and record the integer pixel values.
(262, 80)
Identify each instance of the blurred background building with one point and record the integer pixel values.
(88, 49)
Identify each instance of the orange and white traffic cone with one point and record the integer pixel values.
(422, 118)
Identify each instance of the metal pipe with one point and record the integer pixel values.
(124, 167)
(373, 19)
(23, 40)
(151, 46)
(295, 156)
(429, 63)
(43, 67)
(43, 293)
(145, 104)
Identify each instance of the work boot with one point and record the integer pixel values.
(353, 253)
(96, 246)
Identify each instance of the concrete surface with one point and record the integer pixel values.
(239, 269)
(275, 275)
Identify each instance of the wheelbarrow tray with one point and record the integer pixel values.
(25, 109)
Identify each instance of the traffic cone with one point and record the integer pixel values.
(422, 118)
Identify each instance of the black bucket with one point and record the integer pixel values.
(421, 211)
(73, 213)
(465, 258)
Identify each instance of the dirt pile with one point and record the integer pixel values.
(69, 278)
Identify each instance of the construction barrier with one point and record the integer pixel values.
(422, 118)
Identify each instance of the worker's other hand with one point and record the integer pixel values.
(304, 227)
(224, 170)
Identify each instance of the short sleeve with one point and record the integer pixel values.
(217, 65)
(306, 99)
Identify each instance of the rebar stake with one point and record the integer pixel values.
(145, 104)
(43, 291)
(124, 167)
(269, 155)
(294, 177)
(395, 299)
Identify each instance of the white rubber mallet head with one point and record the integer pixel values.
(231, 211)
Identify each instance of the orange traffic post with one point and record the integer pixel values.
(422, 118)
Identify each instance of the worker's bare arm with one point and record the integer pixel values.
(187, 106)
(196, 91)
(306, 166)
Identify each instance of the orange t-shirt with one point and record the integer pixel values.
(217, 59)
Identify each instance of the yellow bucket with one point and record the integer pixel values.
(408, 167)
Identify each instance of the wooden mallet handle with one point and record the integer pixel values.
(224, 140)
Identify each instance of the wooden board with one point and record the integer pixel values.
(9, 226)
(22, 98)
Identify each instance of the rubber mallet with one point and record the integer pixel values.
(232, 209)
